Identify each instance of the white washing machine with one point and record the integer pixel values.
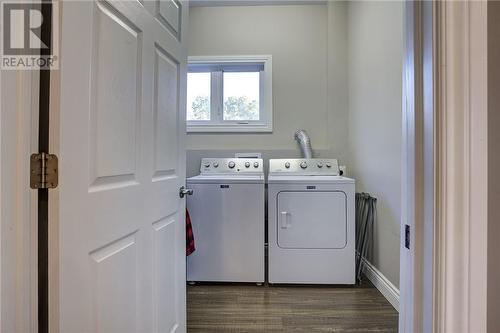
(311, 222)
(227, 214)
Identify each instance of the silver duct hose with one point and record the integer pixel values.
(304, 143)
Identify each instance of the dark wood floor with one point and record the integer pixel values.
(252, 309)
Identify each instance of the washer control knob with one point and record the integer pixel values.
(216, 164)
(247, 164)
(320, 164)
(256, 164)
(287, 165)
(206, 165)
(231, 165)
(303, 165)
(328, 164)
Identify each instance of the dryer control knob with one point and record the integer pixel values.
(328, 164)
(303, 165)
(256, 165)
(320, 164)
(287, 165)
(216, 164)
(206, 165)
(231, 165)
(247, 164)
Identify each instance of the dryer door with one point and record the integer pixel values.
(312, 220)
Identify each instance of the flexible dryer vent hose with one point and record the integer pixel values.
(304, 143)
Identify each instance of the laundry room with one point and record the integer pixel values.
(294, 165)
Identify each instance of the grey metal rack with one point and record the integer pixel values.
(366, 216)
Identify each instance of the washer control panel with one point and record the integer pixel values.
(231, 166)
(304, 166)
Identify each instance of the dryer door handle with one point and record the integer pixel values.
(284, 220)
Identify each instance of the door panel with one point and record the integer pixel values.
(122, 161)
(114, 118)
(165, 285)
(114, 275)
(165, 113)
(169, 13)
(312, 220)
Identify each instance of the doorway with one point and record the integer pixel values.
(125, 243)
(337, 72)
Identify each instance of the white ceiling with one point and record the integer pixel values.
(216, 3)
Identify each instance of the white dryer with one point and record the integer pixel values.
(227, 214)
(311, 222)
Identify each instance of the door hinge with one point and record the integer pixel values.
(44, 172)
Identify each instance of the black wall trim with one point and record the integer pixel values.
(43, 195)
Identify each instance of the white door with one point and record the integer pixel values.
(122, 162)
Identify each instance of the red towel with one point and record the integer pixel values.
(189, 235)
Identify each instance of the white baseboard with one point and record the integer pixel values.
(386, 288)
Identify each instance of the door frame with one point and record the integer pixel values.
(418, 177)
(460, 282)
(18, 202)
(443, 290)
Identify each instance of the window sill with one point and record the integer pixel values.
(229, 129)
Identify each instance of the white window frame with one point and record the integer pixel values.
(216, 122)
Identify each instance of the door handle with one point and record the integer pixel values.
(185, 191)
(284, 220)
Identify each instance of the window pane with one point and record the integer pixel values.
(241, 95)
(198, 96)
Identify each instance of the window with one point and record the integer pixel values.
(229, 94)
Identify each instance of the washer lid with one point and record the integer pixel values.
(226, 179)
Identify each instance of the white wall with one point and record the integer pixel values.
(338, 80)
(375, 49)
(297, 38)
